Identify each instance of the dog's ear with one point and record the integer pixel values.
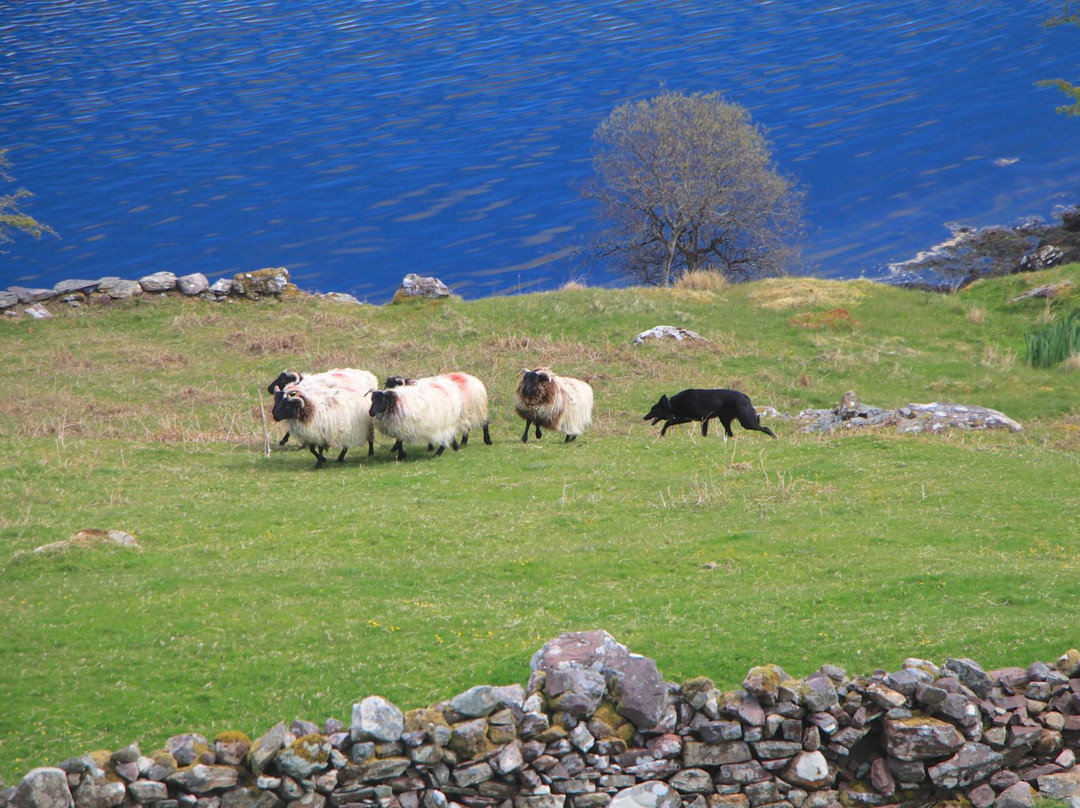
(664, 401)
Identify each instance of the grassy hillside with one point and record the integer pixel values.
(265, 590)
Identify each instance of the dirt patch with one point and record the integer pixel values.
(838, 319)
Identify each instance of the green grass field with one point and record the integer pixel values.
(266, 591)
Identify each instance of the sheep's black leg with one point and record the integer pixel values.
(464, 438)
(727, 427)
(705, 428)
(400, 449)
(341, 457)
(487, 436)
(284, 440)
(320, 459)
(538, 435)
(396, 448)
(570, 439)
(439, 451)
(370, 447)
(525, 437)
(454, 444)
(430, 447)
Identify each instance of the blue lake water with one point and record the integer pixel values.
(357, 141)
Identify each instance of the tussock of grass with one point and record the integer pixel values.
(701, 281)
(286, 592)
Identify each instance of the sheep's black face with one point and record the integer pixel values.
(285, 378)
(532, 381)
(288, 404)
(395, 381)
(380, 403)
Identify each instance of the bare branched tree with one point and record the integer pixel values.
(13, 220)
(687, 183)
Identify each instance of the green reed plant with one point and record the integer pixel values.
(1052, 344)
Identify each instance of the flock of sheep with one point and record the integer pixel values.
(344, 407)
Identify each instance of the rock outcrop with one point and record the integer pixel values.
(934, 417)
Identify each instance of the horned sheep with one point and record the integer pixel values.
(554, 402)
(419, 413)
(321, 416)
(359, 380)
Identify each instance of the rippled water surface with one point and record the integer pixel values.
(354, 142)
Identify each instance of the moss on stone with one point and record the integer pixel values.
(551, 734)
(609, 715)
(919, 719)
(699, 686)
(765, 678)
(313, 748)
(953, 801)
(424, 718)
(232, 736)
(163, 757)
(102, 757)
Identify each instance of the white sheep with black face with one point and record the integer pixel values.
(474, 406)
(320, 416)
(358, 380)
(419, 413)
(562, 403)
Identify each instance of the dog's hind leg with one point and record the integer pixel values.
(754, 423)
(705, 427)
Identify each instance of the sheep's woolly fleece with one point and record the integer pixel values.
(423, 413)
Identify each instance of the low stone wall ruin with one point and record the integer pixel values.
(271, 282)
(598, 727)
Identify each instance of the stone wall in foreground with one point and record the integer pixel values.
(598, 727)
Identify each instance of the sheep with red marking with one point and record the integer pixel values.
(420, 413)
(358, 380)
(562, 403)
(474, 411)
(321, 416)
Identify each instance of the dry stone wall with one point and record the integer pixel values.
(598, 727)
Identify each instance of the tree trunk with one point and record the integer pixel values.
(665, 273)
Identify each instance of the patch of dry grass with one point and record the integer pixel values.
(701, 281)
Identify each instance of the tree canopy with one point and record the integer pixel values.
(13, 220)
(687, 183)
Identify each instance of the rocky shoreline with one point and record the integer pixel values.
(598, 727)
